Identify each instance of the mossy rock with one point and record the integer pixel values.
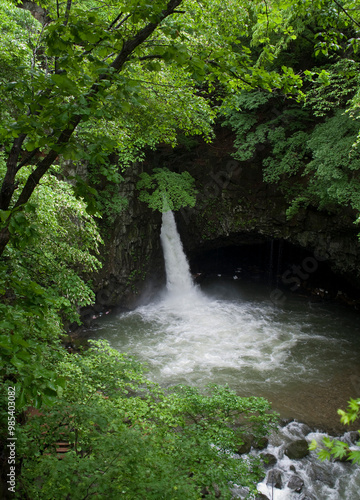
(297, 449)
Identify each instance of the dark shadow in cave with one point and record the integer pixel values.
(277, 264)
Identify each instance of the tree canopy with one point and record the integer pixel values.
(96, 78)
(311, 144)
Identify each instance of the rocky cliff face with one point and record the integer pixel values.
(234, 208)
(133, 265)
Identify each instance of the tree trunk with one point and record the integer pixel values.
(4, 239)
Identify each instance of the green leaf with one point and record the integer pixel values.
(64, 83)
(18, 363)
(37, 401)
(4, 215)
(313, 445)
(18, 340)
(21, 400)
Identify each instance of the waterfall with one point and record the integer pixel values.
(178, 277)
(231, 333)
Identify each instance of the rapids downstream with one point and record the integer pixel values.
(303, 357)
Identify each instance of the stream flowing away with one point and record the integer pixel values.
(303, 357)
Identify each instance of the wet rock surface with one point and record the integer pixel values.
(306, 478)
(268, 459)
(250, 441)
(295, 483)
(274, 478)
(297, 449)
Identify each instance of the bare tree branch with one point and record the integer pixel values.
(67, 12)
(346, 13)
(122, 22)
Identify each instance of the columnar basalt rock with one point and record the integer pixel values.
(132, 259)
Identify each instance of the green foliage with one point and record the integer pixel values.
(240, 113)
(18, 38)
(335, 163)
(75, 96)
(54, 242)
(165, 190)
(92, 82)
(336, 449)
(129, 438)
(141, 116)
(253, 134)
(17, 45)
(100, 79)
(289, 154)
(309, 149)
(325, 157)
(111, 203)
(341, 84)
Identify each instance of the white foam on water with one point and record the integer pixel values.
(191, 334)
(197, 332)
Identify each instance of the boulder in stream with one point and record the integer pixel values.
(295, 483)
(245, 447)
(239, 492)
(297, 449)
(275, 478)
(250, 441)
(261, 443)
(354, 437)
(269, 459)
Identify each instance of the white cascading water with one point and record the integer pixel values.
(178, 277)
(236, 335)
